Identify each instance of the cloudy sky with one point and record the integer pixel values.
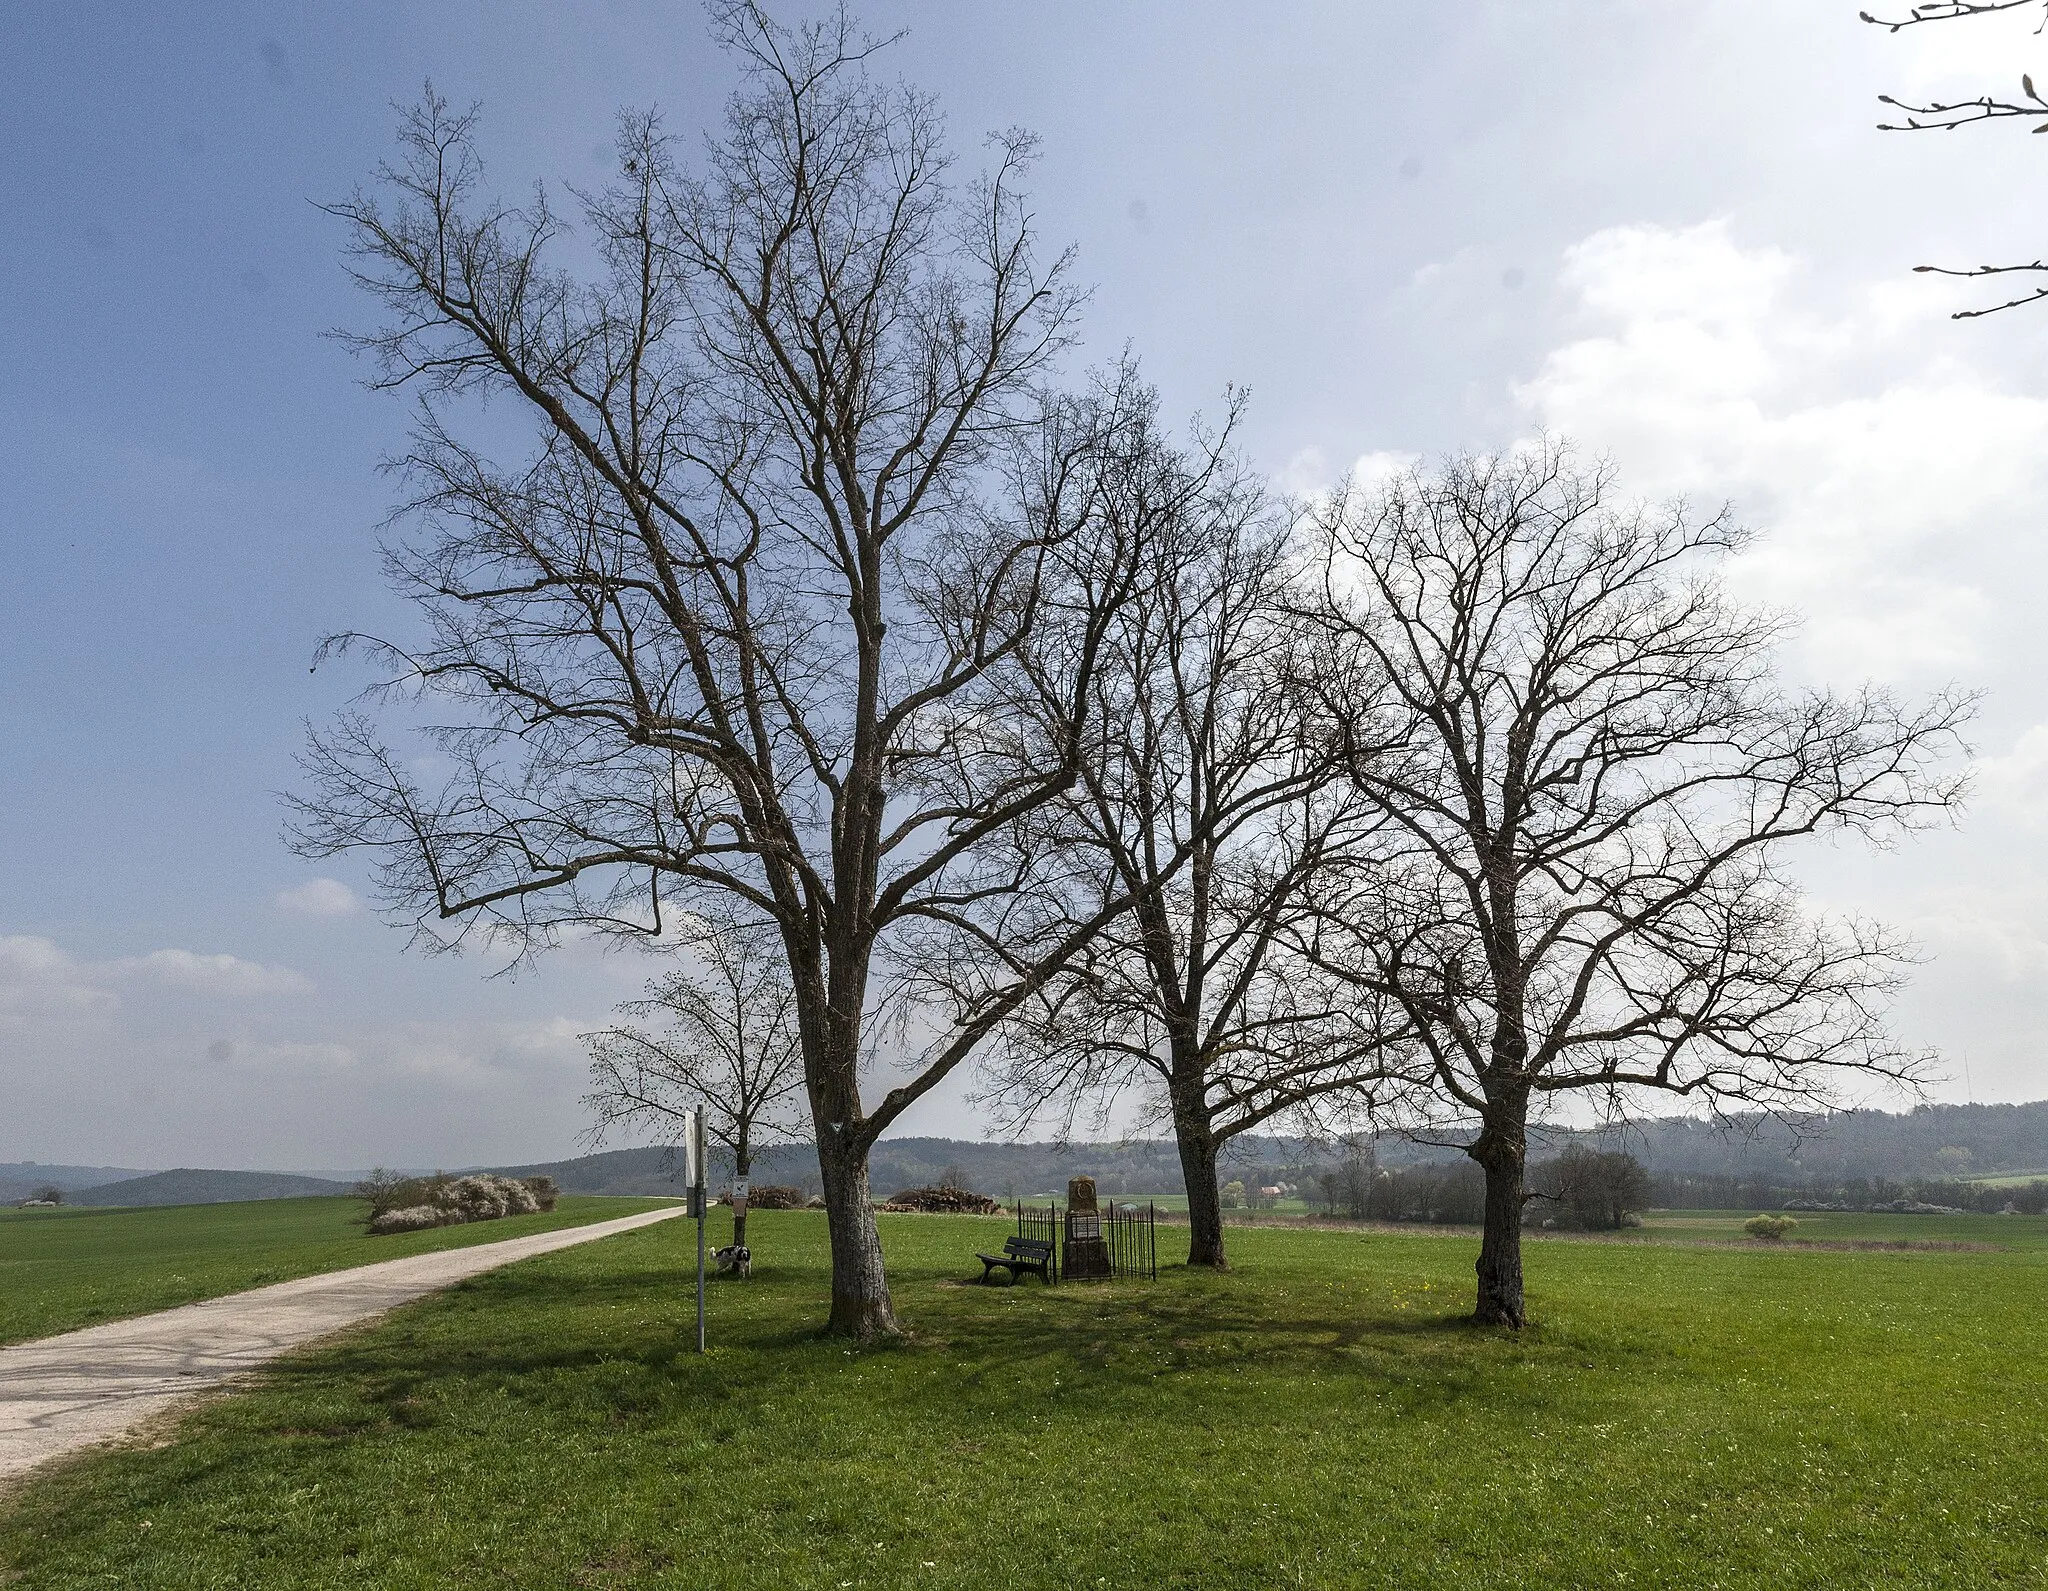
(1668, 232)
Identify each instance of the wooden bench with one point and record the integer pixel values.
(1020, 1254)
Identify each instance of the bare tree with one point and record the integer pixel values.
(1216, 802)
(729, 1043)
(738, 624)
(1592, 1190)
(1947, 116)
(1584, 886)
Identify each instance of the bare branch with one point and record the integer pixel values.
(1577, 887)
(734, 633)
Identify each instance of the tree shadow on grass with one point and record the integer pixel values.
(617, 1347)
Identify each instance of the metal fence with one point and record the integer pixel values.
(1043, 1225)
(1133, 1237)
(1130, 1231)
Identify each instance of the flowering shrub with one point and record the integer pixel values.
(412, 1218)
(411, 1204)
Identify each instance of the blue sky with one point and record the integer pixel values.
(1670, 232)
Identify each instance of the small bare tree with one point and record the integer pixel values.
(1215, 800)
(728, 1043)
(1583, 886)
(737, 627)
(1947, 116)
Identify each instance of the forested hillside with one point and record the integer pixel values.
(1935, 1141)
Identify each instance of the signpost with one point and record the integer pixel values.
(697, 1209)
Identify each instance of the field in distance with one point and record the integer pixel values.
(1682, 1414)
(1850, 1229)
(64, 1268)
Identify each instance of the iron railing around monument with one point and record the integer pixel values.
(1130, 1231)
(1133, 1238)
(1043, 1225)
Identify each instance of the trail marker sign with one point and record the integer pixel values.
(694, 1164)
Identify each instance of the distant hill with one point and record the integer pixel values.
(190, 1186)
(1931, 1141)
(615, 1172)
(36, 1175)
(1953, 1141)
(1140, 1166)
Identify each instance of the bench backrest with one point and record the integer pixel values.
(1032, 1247)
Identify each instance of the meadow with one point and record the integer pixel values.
(1694, 1413)
(61, 1269)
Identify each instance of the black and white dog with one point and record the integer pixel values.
(734, 1259)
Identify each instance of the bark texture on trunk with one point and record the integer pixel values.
(861, 1306)
(828, 1015)
(1502, 1152)
(743, 1165)
(1205, 1201)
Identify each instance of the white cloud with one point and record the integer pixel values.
(1895, 465)
(1651, 274)
(37, 973)
(1705, 372)
(1305, 474)
(320, 897)
(1376, 469)
(2017, 783)
(229, 976)
(478, 1053)
(1996, 929)
(1308, 477)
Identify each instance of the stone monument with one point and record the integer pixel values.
(1087, 1252)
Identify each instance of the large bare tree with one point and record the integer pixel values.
(1585, 889)
(727, 1042)
(1948, 115)
(1215, 800)
(722, 593)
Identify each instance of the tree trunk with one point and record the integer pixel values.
(1205, 1202)
(861, 1307)
(860, 1290)
(1502, 1152)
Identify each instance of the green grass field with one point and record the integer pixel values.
(1683, 1414)
(60, 1269)
(2009, 1179)
(2019, 1233)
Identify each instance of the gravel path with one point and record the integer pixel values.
(63, 1393)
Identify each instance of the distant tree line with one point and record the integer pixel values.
(1580, 1190)
(1684, 1191)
